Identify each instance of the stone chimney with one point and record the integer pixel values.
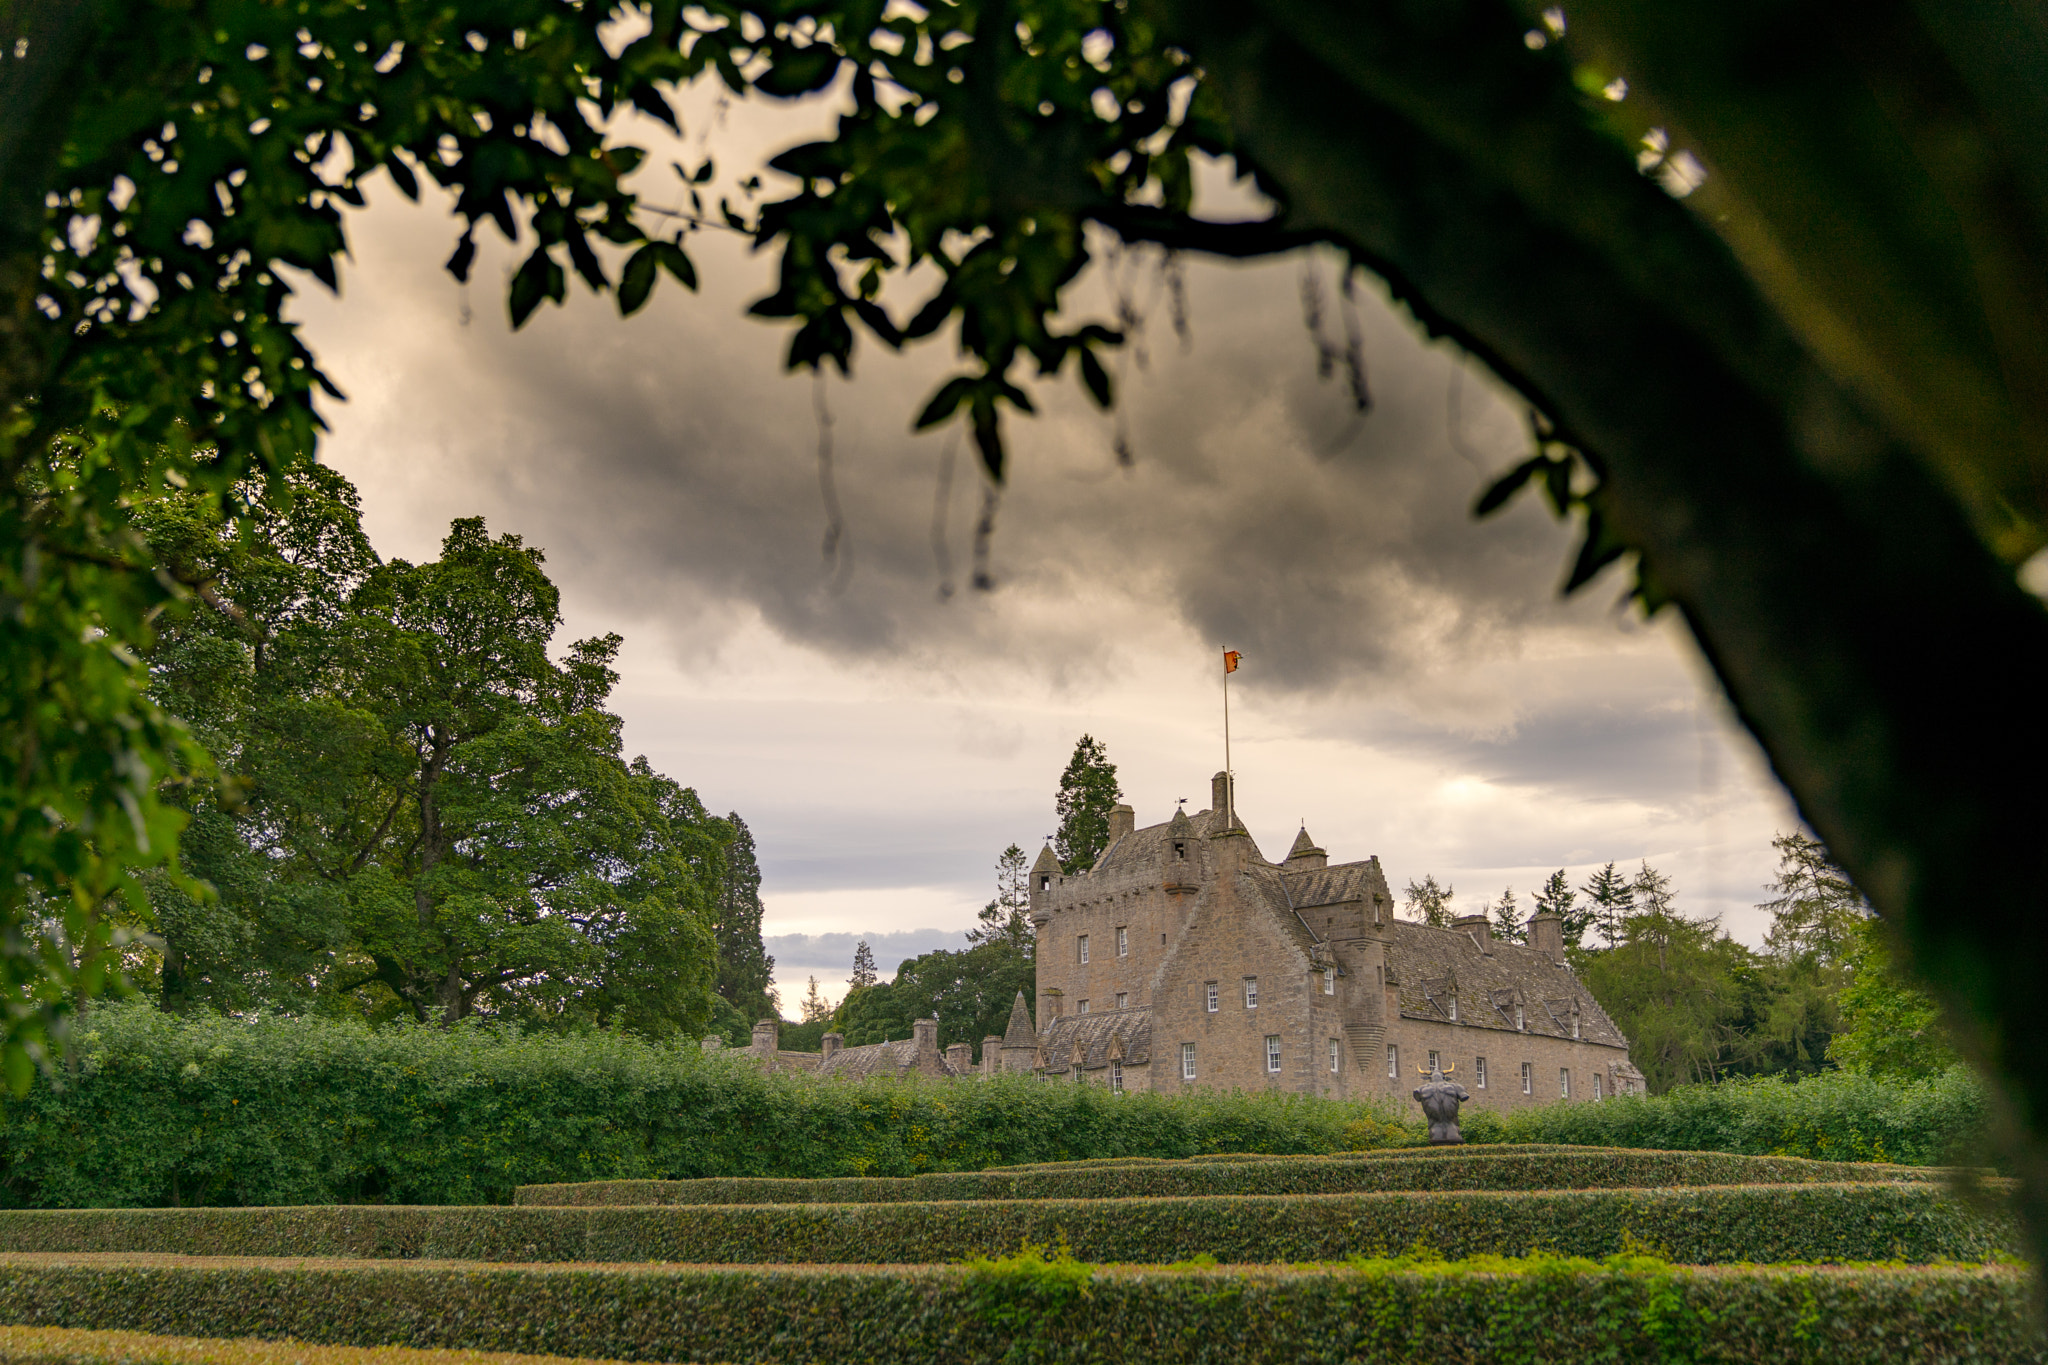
(926, 1034)
(960, 1056)
(1122, 820)
(712, 1044)
(991, 1054)
(1546, 936)
(767, 1037)
(830, 1044)
(1219, 793)
(1481, 929)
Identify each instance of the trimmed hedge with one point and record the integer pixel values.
(1579, 1168)
(78, 1346)
(1704, 1225)
(1629, 1308)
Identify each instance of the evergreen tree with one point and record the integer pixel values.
(1088, 791)
(1557, 898)
(1428, 902)
(1817, 912)
(1008, 917)
(1507, 918)
(1652, 891)
(1609, 903)
(863, 966)
(745, 968)
(814, 1006)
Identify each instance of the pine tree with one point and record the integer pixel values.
(1652, 891)
(1817, 911)
(1507, 917)
(1609, 903)
(1428, 902)
(1088, 791)
(744, 965)
(863, 966)
(1007, 918)
(1557, 898)
(815, 1007)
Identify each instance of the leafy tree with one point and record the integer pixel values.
(1609, 903)
(815, 1007)
(1507, 917)
(1428, 902)
(863, 967)
(1557, 898)
(969, 991)
(1669, 984)
(746, 971)
(1891, 1029)
(427, 813)
(1088, 791)
(1007, 918)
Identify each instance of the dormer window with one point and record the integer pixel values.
(1329, 981)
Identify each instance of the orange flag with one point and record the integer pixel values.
(1230, 658)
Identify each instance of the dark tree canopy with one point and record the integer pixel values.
(1088, 791)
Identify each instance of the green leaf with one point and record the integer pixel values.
(637, 281)
(800, 71)
(946, 401)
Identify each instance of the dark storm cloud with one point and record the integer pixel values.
(671, 470)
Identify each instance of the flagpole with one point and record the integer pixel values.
(1229, 778)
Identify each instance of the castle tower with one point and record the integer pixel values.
(1044, 873)
(1020, 1040)
(1305, 856)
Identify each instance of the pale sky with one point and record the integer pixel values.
(1413, 687)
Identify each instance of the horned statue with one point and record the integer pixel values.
(1440, 1099)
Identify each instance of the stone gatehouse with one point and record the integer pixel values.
(1184, 957)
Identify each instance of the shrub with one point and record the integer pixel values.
(1834, 1116)
(77, 1346)
(1025, 1308)
(1473, 1169)
(1706, 1225)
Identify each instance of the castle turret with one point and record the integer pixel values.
(1020, 1040)
(1044, 873)
(1305, 856)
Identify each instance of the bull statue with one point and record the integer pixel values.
(1440, 1098)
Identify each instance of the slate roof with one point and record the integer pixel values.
(1426, 963)
(1310, 887)
(1019, 1032)
(1128, 1031)
(879, 1059)
(1144, 844)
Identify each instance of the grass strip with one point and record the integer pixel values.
(1029, 1308)
(1565, 1169)
(80, 1346)
(1703, 1225)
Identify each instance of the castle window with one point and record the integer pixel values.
(1434, 1061)
(1335, 1056)
(1187, 1061)
(1575, 1023)
(1213, 1005)
(1596, 1086)
(1045, 881)
(1521, 1020)
(1479, 1073)
(1273, 1053)
(1180, 850)
(1393, 1062)
(1116, 1078)
(1080, 1007)
(1123, 1000)
(1084, 948)
(1528, 1078)
(1454, 1009)
(1123, 941)
(1329, 981)
(1564, 1082)
(1251, 992)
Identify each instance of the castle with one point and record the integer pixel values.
(1184, 957)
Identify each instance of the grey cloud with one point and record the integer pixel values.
(829, 957)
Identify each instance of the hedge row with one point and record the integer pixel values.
(167, 1110)
(1629, 1308)
(79, 1346)
(1581, 1168)
(1706, 1225)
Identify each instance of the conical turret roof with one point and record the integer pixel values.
(1020, 1033)
(1303, 844)
(1046, 861)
